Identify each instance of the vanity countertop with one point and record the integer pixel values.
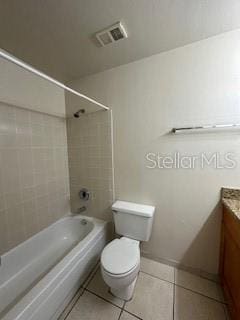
(231, 200)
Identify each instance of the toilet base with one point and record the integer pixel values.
(125, 293)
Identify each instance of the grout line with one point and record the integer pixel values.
(120, 314)
(178, 285)
(174, 288)
(132, 314)
(91, 275)
(102, 298)
(95, 269)
(157, 277)
(122, 310)
(202, 277)
(201, 294)
(182, 268)
(73, 303)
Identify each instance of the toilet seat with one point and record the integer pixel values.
(120, 256)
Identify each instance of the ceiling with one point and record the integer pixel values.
(56, 36)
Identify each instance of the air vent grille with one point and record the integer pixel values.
(112, 34)
(117, 34)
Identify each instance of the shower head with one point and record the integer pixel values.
(77, 114)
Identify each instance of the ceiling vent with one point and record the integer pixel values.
(111, 34)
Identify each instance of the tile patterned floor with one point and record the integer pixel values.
(161, 293)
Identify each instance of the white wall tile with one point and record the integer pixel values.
(90, 162)
(31, 168)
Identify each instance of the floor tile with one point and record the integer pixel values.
(127, 316)
(198, 284)
(91, 307)
(157, 269)
(71, 304)
(190, 305)
(98, 286)
(152, 300)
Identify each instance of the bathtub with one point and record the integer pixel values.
(39, 277)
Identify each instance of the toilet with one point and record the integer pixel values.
(120, 259)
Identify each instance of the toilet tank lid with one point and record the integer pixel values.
(134, 208)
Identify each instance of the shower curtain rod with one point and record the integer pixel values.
(206, 127)
(7, 56)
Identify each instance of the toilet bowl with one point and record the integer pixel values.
(120, 259)
(120, 264)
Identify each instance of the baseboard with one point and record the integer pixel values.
(179, 265)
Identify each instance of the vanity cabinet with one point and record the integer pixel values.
(230, 261)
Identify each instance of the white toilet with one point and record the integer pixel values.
(120, 259)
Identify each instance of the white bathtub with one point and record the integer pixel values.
(40, 276)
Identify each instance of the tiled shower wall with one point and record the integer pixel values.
(34, 182)
(90, 162)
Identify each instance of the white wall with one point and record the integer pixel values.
(195, 84)
(21, 88)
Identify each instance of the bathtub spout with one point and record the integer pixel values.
(81, 209)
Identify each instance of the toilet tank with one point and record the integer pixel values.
(133, 220)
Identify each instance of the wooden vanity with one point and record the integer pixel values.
(230, 254)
